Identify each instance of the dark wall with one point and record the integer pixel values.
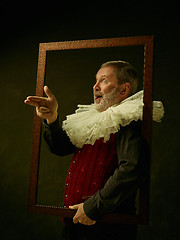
(21, 33)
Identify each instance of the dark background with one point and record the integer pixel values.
(22, 29)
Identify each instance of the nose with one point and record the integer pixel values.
(96, 86)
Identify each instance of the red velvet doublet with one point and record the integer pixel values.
(90, 168)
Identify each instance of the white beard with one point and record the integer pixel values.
(107, 100)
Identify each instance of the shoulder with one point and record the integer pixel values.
(128, 136)
(129, 142)
(134, 127)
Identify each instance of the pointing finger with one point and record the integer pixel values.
(35, 98)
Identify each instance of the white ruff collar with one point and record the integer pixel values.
(87, 125)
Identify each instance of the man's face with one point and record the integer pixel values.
(106, 90)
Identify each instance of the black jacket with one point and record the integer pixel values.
(119, 192)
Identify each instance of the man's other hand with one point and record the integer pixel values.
(80, 216)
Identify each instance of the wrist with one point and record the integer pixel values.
(52, 119)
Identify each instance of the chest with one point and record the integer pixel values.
(90, 168)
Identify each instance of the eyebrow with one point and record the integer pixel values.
(104, 75)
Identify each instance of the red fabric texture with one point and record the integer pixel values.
(90, 168)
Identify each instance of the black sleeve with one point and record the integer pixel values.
(126, 178)
(57, 139)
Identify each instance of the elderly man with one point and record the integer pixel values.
(108, 164)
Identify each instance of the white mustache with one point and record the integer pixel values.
(96, 93)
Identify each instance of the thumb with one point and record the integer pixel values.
(48, 92)
(74, 206)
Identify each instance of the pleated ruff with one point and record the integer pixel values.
(87, 125)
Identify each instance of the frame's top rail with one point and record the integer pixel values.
(96, 43)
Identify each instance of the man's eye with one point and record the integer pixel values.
(104, 81)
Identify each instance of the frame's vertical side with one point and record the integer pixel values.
(147, 85)
(147, 125)
(36, 133)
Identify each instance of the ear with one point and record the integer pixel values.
(125, 91)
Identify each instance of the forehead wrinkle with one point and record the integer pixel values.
(104, 75)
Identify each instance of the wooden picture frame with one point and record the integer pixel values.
(147, 42)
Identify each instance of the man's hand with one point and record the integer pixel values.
(80, 216)
(46, 107)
